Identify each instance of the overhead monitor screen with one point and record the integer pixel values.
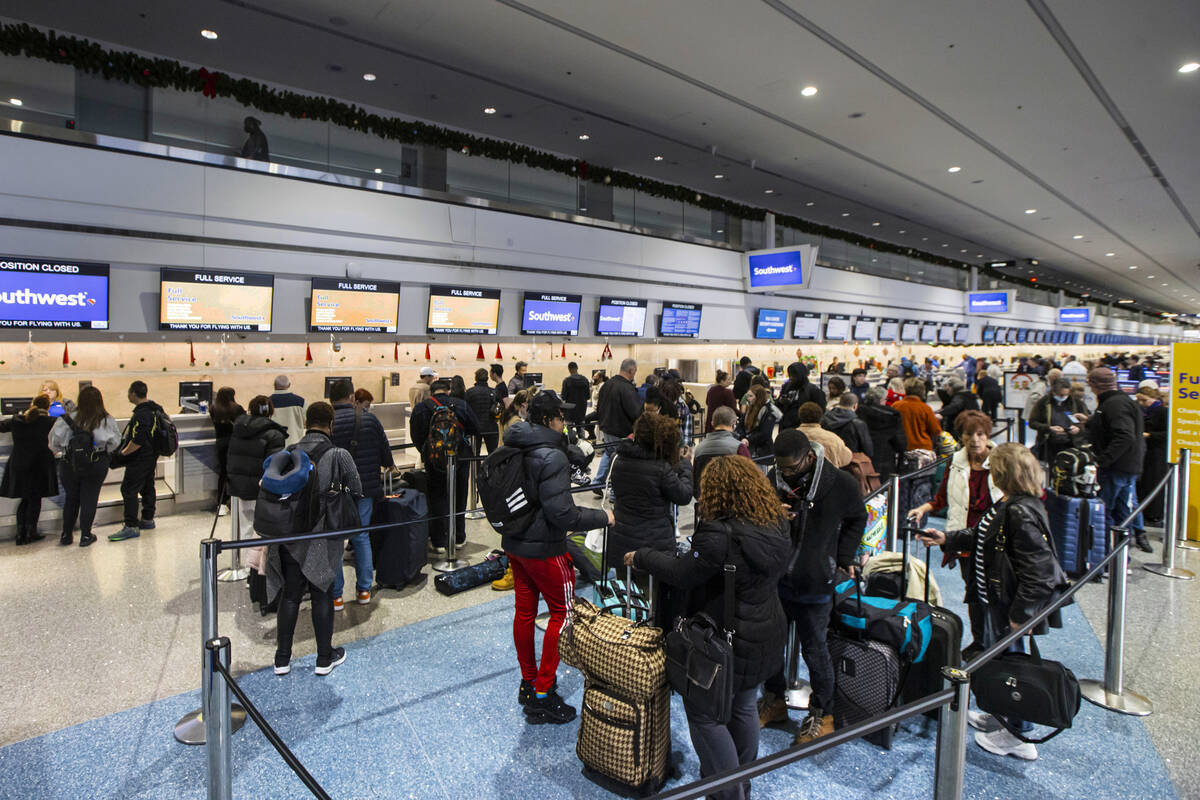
(353, 306)
(779, 267)
(192, 300)
(550, 314)
(619, 316)
(929, 332)
(864, 329)
(946, 333)
(807, 325)
(1021, 334)
(837, 328)
(681, 319)
(53, 294)
(771, 324)
(1075, 316)
(461, 309)
(910, 330)
(961, 334)
(1010, 336)
(889, 329)
(989, 335)
(996, 302)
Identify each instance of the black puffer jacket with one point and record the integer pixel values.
(372, 451)
(760, 556)
(852, 430)
(618, 405)
(548, 478)
(795, 393)
(827, 535)
(645, 488)
(1023, 573)
(481, 397)
(254, 438)
(887, 437)
(959, 402)
(1115, 431)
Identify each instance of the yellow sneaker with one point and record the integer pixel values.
(504, 584)
(814, 726)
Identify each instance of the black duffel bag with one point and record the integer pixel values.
(700, 659)
(1028, 687)
(486, 571)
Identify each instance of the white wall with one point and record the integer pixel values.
(225, 219)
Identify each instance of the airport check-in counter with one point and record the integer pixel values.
(186, 481)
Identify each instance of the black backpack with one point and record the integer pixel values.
(500, 479)
(80, 454)
(296, 505)
(445, 435)
(1073, 473)
(165, 436)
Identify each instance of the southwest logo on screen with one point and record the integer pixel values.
(28, 297)
(550, 316)
(786, 269)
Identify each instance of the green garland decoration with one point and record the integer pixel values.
(23, 39)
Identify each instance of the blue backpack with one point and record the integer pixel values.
(904, 625)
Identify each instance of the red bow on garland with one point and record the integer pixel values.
(210, 82)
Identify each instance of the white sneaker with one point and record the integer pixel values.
(1003, 743)
(982, 721)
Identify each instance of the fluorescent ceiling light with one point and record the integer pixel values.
(15, 101)
(954, 169)
(1077, 236)
(1031, 211)
(718, 176)
(808, 91)
(1110, 255)
(207, 34)
(1133, 266)
(368, 76)
(1191, 66)
(489, 110)
(583, 137)
(768, 191)
(378, 171)
(658, 158)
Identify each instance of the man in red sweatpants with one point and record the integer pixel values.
(538, 554)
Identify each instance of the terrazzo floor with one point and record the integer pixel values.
(429, 710)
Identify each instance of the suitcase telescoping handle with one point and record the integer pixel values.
(628, 601)
(908, 531)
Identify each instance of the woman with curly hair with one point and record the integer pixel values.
(742, 523)
(650, 474)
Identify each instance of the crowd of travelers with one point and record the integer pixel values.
(778, 477)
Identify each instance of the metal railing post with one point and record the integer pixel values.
(951, 756)
(236, 571)
(476, 511)
(1181, 516)
(452, 561)
(893, 517)
(1170, 531)
(218, 724)
(798, 691)
(191, 728)
(1111, 693)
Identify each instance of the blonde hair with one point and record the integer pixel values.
(1015, 470)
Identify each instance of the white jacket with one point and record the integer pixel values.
(958, 490)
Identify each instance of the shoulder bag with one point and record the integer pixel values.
(1028, 687)
(700, 658)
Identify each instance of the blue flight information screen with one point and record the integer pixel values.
(681, 319)
(551, 314)
(772, 323)
(53, 294)
(621, 316)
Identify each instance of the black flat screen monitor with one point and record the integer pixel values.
(203, 300)
(532, 379)
(962, 334)
(463, 309)
(929, 332)
(945, 334)
(771, 323)
(349, 305)
(547, 314)
(837, 328)
(195, 391)
(330, 380)
(806, 325)
(989, 335)
(910, 330)
(889, 329)
(681, 320)
(864, 329)
(14, 405)
(621, 316)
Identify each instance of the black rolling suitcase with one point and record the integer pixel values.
(400, 552)
(945, 646)
(868, 679)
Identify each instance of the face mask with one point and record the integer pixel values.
(1059, 400)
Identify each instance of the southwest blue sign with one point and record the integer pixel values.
(989, 302)
(550, 314)
(1076, 315)
(779, 267)
(772, 323)
(48, 294)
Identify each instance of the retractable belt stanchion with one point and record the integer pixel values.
(893, 516)
(1021, 426)
(1171, 502)
(191, 728)
(236, 571)
(1111, 693)
(798, 691)
(1181, 514)
(476, 511)
(218, 723)
(951, 755)
(452, 562)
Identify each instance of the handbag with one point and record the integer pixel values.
(1026, 686)
(700, 659)
(595, 538)
(339, 503)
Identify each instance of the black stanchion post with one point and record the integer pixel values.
(893, 515)
(798, 691)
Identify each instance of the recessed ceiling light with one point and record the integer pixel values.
(15, 101)
(768, 191)
(1031, 211)
(207, 34)
(583, 137)
(845, 213)
(1164, 284)
(658, 158)
(718, 176)
(1110, 255)
(489, 110)
(720, 230)
(1191, 66)
(979, 255)
(945, 245)
(808, 91)
(903, 231)
(378, 171)
(1149, 277)
(809, 203)
(368, 76)
(962, 251)
(1125, 301)
(1077, 236)
(874, 224)
(1133, 266)
(954, 169)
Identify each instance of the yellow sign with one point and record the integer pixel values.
(1185, 422)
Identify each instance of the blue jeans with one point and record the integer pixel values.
(364, 567)
(606, 456)
(1118, 490)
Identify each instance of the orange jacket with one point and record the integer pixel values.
(921, 427)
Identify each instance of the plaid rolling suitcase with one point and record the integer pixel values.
(868, 678)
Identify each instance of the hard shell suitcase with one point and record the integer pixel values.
(1078, 527)
(867, 675)
(945, 646)
(399, 552)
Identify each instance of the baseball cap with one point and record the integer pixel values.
(427, 371)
